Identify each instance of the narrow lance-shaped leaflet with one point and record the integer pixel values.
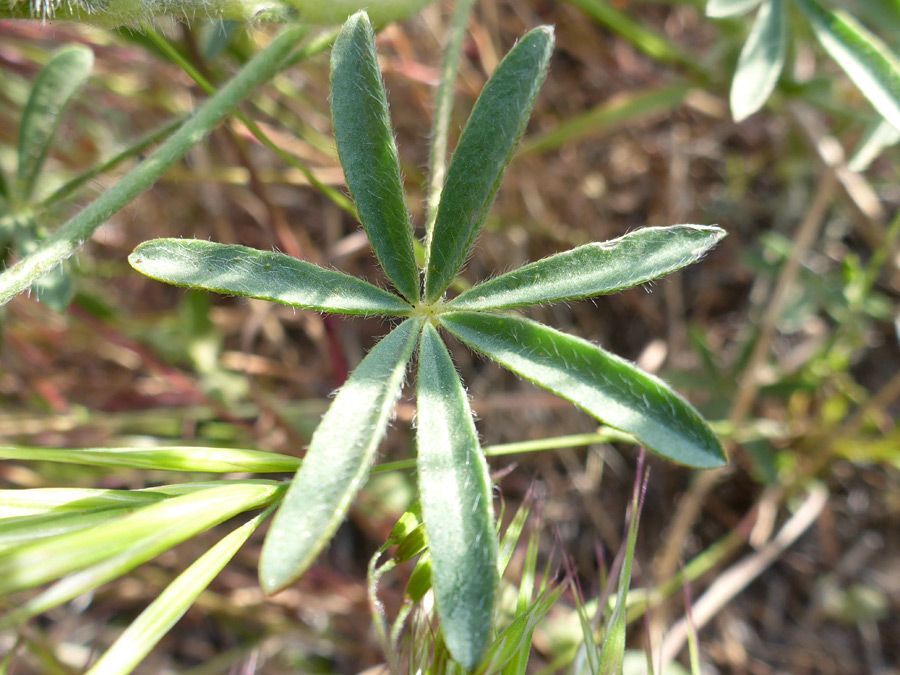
(54, 87)
(338, 458)
(594, 269)
(603, 385)
(454, 491)
(720, 9)
(365, 143)
(248, 272)
(485, 148)
(866, 59)
(761, 61)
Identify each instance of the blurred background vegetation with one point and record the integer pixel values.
(785, 336)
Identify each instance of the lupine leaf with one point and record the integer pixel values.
(54, 87)
(868, 62)
(38, 562)
(720, 9)
(176, 458)
(603, 385)
(594, 269)
(491, 135)
(365, 143)
(761, 60)
(455, 493)
(336, 463)
(143, 633)
(248, 272)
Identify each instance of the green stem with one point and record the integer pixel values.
(177, 58)
(443, 106)
(69, 237)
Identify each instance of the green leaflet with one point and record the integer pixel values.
(868, 62)
(603, 385)
(494, 129)
(19, 530)
(144, 632)
(761, 60)
(38, 562)
(18, 503)
(54, 87)
(594, 269)
(336, 463)
(365, 143)
(454, 490)
(720, 9)
(248, 272)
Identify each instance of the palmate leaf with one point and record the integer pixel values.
(485, 148)
(338, 458)
(594, 269)
(365, 143)
(761, 60)
(38, 562)
(720, 9)
(154, 622)
(454, 490)
(54, 87)
(248, 272)
(868, 62)
(603, 385)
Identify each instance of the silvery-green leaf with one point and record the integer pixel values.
(336, 463)
(365, 143)
(603, 385)
(455, 493)
(761, 60)
(248, 272)
(594, 269)
(485, 148)
(868, 62)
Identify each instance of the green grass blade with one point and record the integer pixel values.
(594, 269)
(58, 82)
(155, 621)
(603, 385)
(485, 148)
(39, 562)
(612, 652)
(68, 238)
(365, 143)
(720, 9)
(178, 458)
(248, 272)
(761, 60)
(868, 62)
(17, 531)
(17, 503)
(455, 493)
(336, 463)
